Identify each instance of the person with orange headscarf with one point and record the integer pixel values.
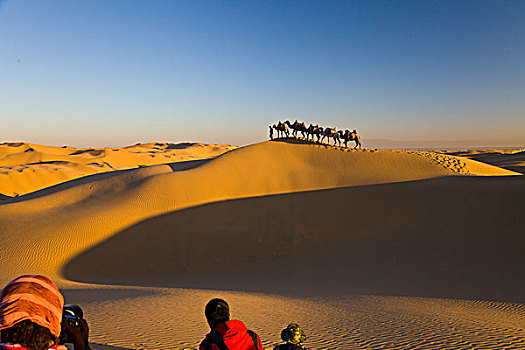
(31, 314)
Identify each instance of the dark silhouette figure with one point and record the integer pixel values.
(281, 129)
(293, 335)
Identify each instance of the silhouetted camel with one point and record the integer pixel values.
(355, 137)
(281, 128)
(296, 126)
(314, 130)
(350, 136)
(331, 133)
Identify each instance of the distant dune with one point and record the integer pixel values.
(507, 159)
(26, 167)
(285, 218)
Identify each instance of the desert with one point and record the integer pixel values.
(262, 175)
(365, 248)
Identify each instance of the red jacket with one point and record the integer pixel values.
(235, 336)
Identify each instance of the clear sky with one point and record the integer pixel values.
(113, 73)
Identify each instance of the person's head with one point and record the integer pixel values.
(217, 311)
(293, 334)
(30, 312)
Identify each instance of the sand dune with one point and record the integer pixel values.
(26, 167)
(379, 240)
(92, 212)
(509, 159)
(289, 218)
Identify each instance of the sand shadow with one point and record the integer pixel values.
(304, 141)
(419, 238)
(183, 145)
(187, 165)
(299, 141)
(91, 151)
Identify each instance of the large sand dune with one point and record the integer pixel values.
(295, 219)
(412, 238)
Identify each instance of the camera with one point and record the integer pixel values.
(72, 315)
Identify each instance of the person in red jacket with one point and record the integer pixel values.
(227, 334)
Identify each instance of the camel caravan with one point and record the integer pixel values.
(338, 137)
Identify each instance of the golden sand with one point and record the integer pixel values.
(363, 248)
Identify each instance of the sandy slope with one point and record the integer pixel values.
(26, 167)
(509, 159)
(289, 218)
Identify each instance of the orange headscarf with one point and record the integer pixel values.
(31, 297)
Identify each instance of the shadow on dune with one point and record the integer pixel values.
(449, 237)
(90, 151)
(182, 145)
(325, 144)
(177, 166)
(14, 144)
(187, 165)
(300, 141)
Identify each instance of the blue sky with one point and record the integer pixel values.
(113, 73)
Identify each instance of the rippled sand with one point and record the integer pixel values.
(173, 319)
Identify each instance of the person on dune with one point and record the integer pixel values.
(293, 335)
(31, 314)
(227, 334)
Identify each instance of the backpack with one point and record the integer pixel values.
(215, 338)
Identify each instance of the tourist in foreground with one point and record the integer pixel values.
(31, 309)
(227, 334)
(293, 335)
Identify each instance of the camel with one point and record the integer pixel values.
(355, 137)
(350, 136)
(331, 133)
(345, 137)
(281, 128)
(296, 127)
(314, 130)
